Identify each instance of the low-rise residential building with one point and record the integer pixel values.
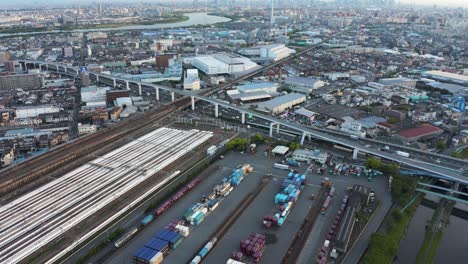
(84, 129)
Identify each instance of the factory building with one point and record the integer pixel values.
(417, 133)
(34, 111)
(447, 76)
(401, 81)
(114, 94)
(303, 84)
(280, 104)
(224, 63)
(272, 52)
(253, 92)
(268, 87)
(24, 81)
(94, 93)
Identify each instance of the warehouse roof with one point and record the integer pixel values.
(305, 112)
(423, 130)
(211, 61)
(301, 81)
(347, 223)
(447, 75)
(281, 150)
(253, 86)
(281, 100)
(390, 81)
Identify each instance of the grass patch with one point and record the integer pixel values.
(429, 249)
(424, 247)
(384, 246)
(463, 154)
(435, 246)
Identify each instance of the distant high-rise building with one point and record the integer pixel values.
(10, 66)
(25, 81)
(78, 13)
(4, 56)
(100, 9)
(67, 52)
(85, 79)
(272, 18)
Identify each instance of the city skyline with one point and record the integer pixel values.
(441, 3)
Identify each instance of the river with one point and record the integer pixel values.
(194, 19)
(452, 247)
(412, 241)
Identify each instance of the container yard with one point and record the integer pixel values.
(276, 240)
(217, 196)
(285, 199)
(174, 232)
(252, 247)
(208, 203)
(78, 194)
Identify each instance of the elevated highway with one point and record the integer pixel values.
(444, 170)
(449, 168)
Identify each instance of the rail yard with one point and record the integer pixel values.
(38, 217)
(20, 175)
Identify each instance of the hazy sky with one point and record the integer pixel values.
(7, 3)
(463, 3)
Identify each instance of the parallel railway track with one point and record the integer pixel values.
(38, 217)
(31, 170)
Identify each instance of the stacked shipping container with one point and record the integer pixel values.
(169, 237)
(253, 246)
(291, 189)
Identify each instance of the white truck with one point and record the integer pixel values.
(403, 154)
(281, 166)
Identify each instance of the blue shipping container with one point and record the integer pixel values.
(147, 220)
(157, 244)
(146, 254)
(203, 252)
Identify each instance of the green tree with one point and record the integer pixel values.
(390, 169)
(238, 144)
(440, 145)
(256, 138)
(294, 145)
(373, 163)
